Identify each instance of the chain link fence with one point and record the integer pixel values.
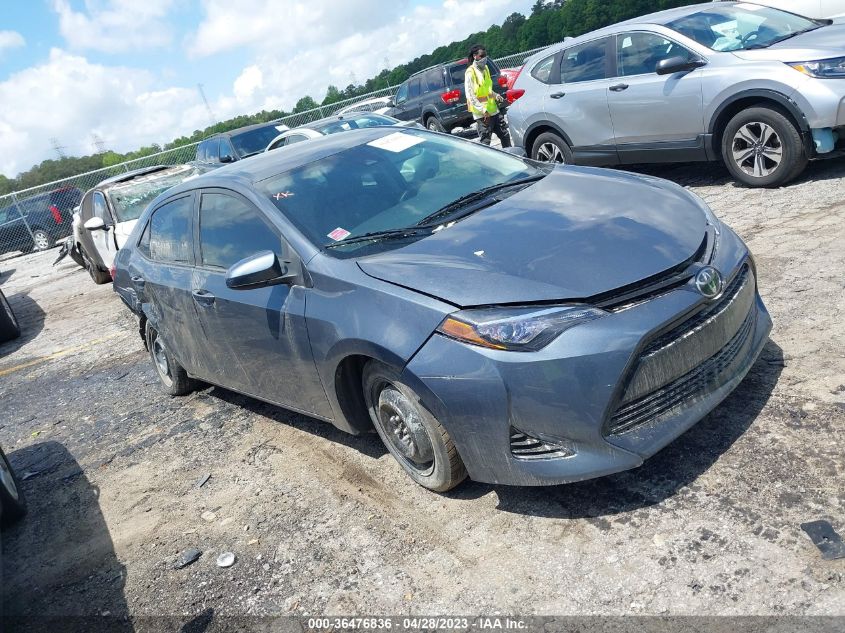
(40, 217)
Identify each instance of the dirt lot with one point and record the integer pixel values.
(322, 522)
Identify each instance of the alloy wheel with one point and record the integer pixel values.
(41, 240)
(159, 353)
(550, 153)
(757, 149)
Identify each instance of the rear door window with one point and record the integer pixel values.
(414, 88)
(585, 62)
(232, 229)
(458, 73)
(170, 227)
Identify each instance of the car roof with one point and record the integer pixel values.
(130, 175)
(267, 164)
(241, 130)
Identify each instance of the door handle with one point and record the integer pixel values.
(557, 95)
(619, 87)
(203, 298)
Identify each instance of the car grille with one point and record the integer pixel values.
(524, 446)
(689, 360)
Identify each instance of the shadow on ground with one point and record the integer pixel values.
(676, 466)
(60, 570)
(30, 318)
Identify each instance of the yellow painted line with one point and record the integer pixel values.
(59, 354)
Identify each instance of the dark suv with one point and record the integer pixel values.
(237, 144)
(36, 223)
(435, 97)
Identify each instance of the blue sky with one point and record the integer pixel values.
(126, 71)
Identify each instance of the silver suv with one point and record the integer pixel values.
(760, 88)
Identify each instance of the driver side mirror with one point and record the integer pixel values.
(260, 270)
(678, 64)
(95, 224)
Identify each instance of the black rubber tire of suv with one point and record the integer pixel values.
(433, 123)
(551, 139)
(794, 157)
(9, 326)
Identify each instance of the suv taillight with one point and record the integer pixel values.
(453, 96)
(513, 94)
(57, 215)
(503, 81)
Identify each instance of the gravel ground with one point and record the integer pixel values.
(325, 523)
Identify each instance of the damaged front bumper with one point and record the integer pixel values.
(605, 395)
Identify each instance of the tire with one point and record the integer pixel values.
(550, 148)
(98, 276)
(761, 147)
(41, 240)
(410, 432)
(9, 326)
(433, 123)
(75, 254)
(11, 496)
(174, 379)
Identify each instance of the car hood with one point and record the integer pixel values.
(575, 234)
(823, 43)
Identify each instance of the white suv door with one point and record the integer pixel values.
(648, 109)
(103, 238)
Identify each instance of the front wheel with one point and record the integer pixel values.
(98, 276)
(410, 432)
(11, 497)
(762, 148)
(550, 148)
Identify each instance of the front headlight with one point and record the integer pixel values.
(515, 329)
(823, 68)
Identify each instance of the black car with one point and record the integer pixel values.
(436, 98)
(37, 222)
(237, 144)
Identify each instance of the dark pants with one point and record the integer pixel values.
(497, 124)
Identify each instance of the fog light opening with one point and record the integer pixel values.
(527, 447)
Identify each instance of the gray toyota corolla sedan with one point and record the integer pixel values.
(515, 322)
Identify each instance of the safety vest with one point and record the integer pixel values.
(483, 90)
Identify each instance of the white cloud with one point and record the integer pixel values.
(10, 39)
(300, 48)
(71, 99)
(115, 25)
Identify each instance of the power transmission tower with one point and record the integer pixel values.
(59, 149)
(99, 143)
(211, 116)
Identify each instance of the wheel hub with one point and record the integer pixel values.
(160, 357)
(403, 428)
(757, 149)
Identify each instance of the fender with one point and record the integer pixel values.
(533, 127)
(771, 95)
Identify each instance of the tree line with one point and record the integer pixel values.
(548, 22)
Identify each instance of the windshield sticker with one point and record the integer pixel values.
(396, 142)
(282, 195)
(338, 234)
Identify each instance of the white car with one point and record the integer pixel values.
(109, 211)
(334, 124)
(379, 105)
(816, 9)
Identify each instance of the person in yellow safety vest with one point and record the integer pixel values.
(482, 100)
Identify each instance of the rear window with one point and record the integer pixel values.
(254, 141)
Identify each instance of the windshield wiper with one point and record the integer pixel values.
(784, 38)
(375, 236)
(475, 196)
